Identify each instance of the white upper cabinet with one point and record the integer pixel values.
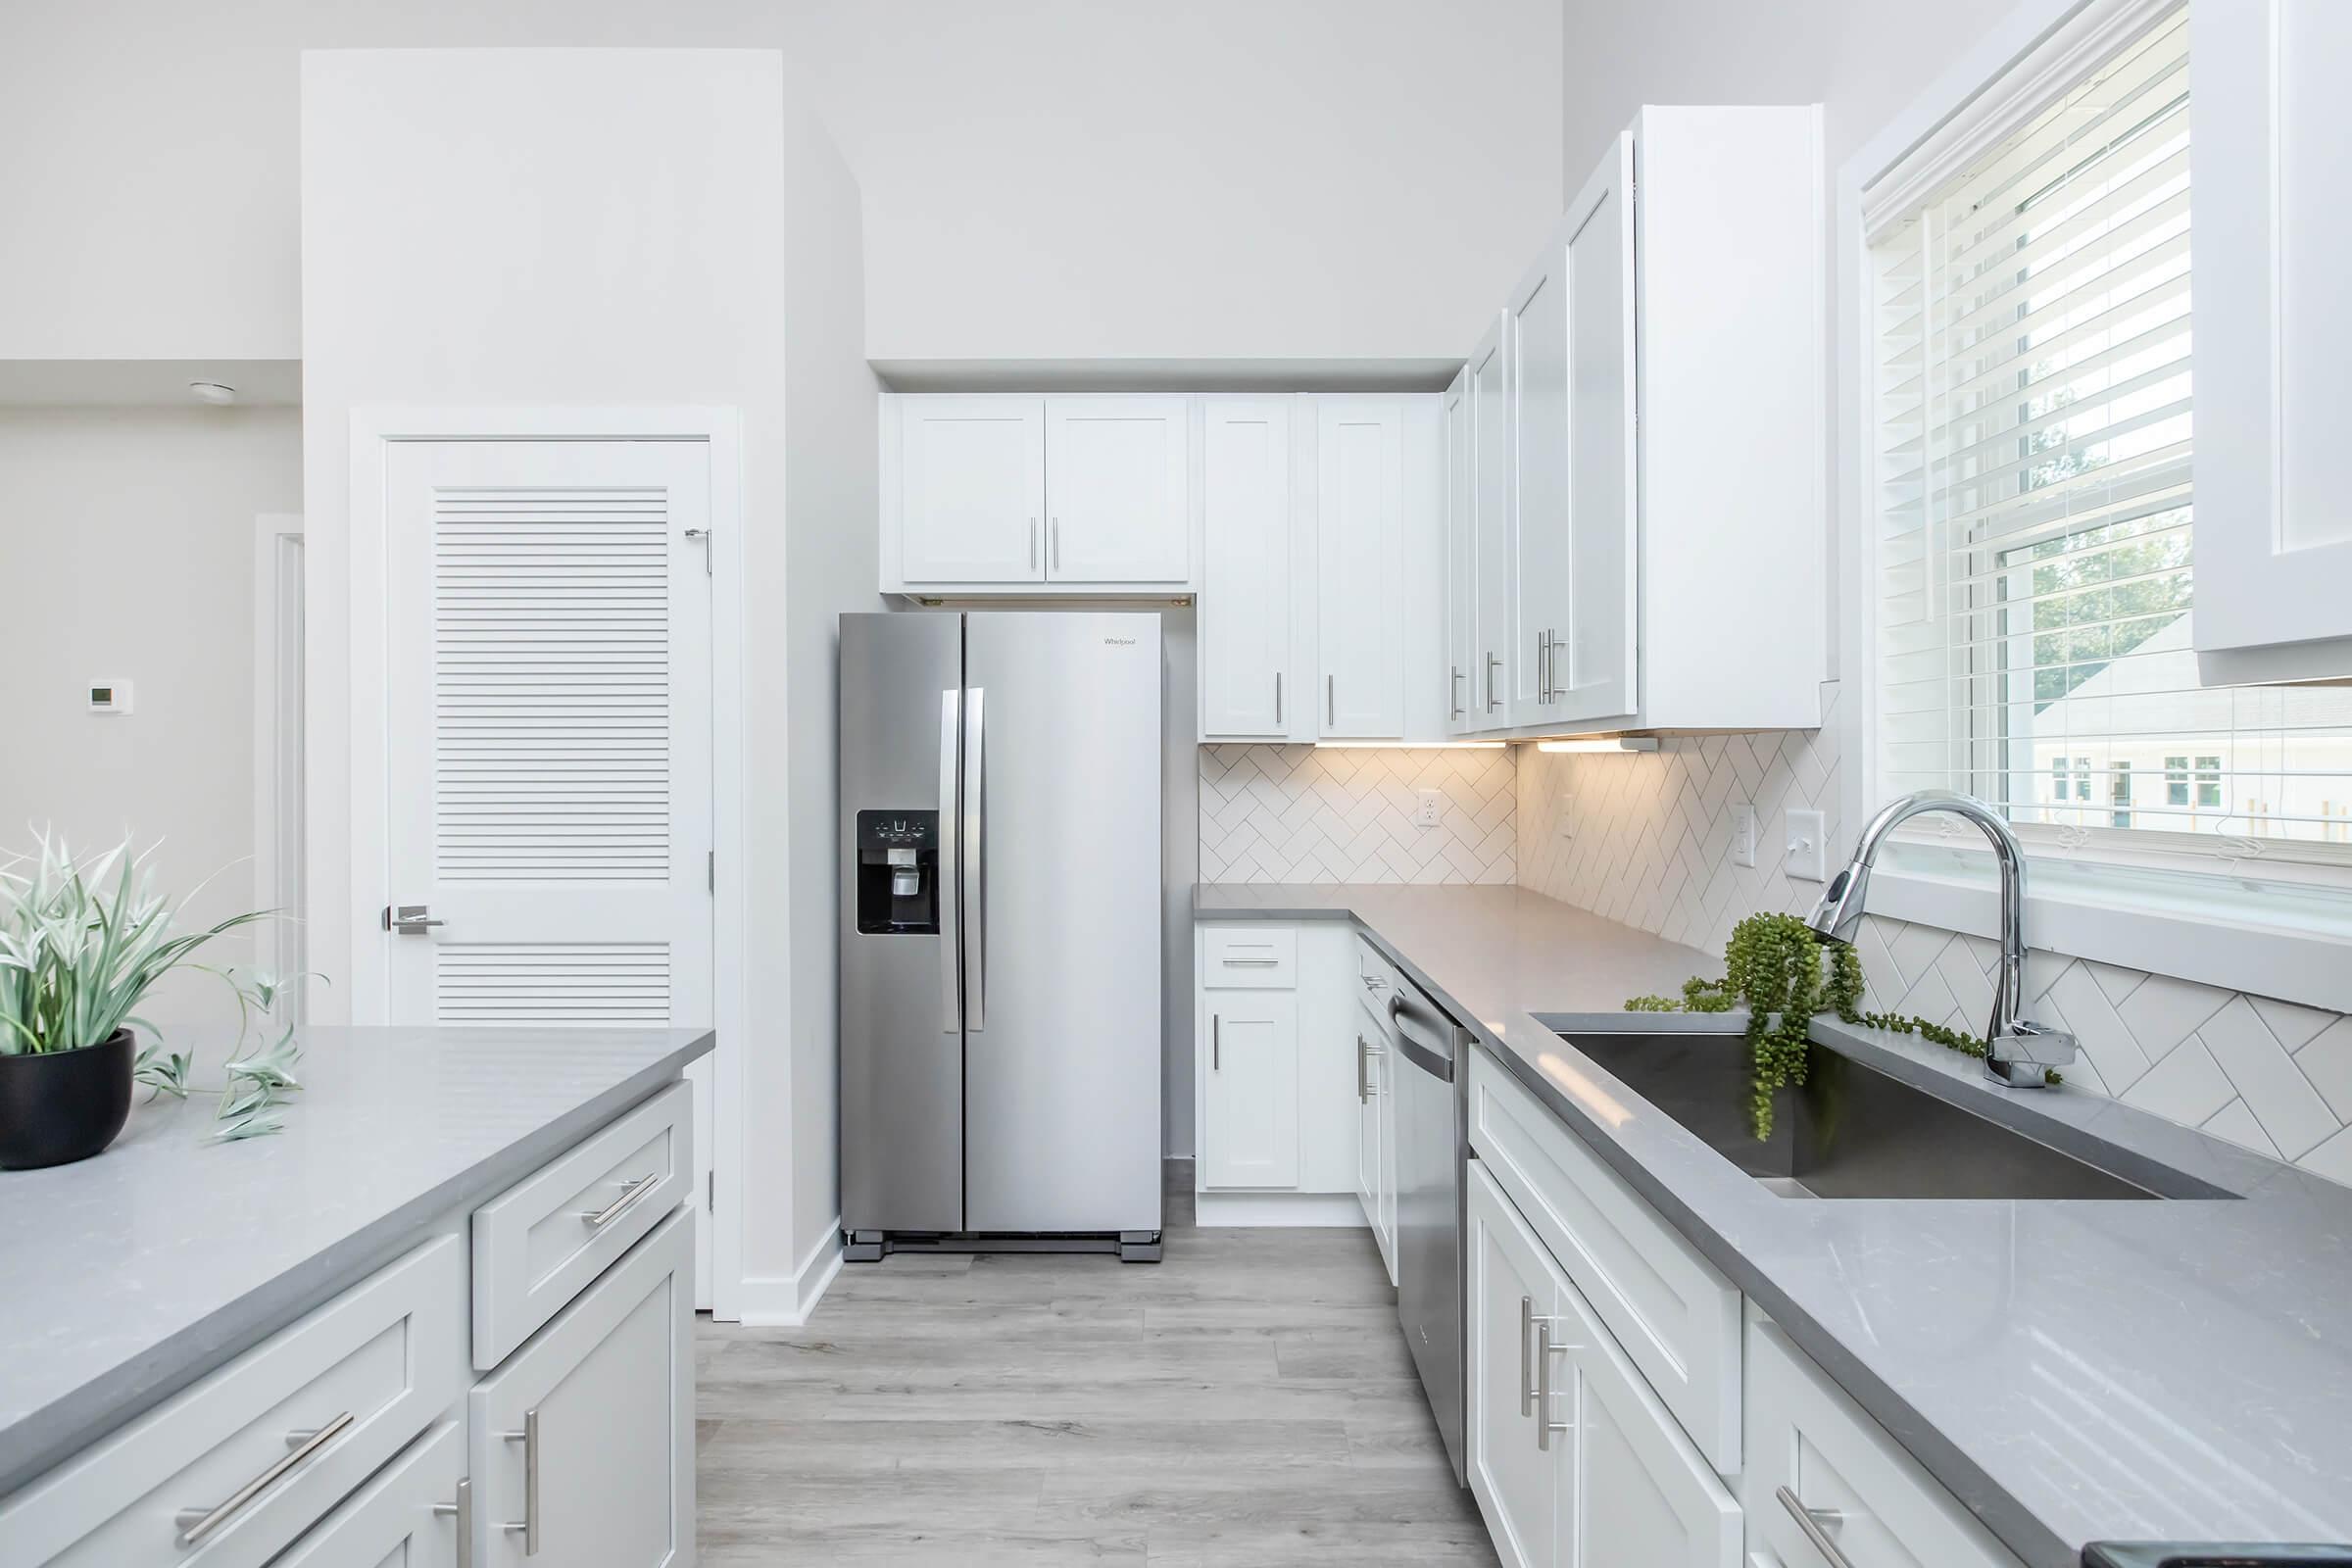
(2274, 330)
(1360, 567)
(1461, 603)
(1036, 495)
(1536, 323)
(971, 489)
(1117, 502)
(1607, 570)
(1589, 664)
(1249, 690)
(1489, 371)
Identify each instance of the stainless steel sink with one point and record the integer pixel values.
(1851, 1131)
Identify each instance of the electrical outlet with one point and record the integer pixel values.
(1743, 833)
(1428, 803)
(1808, 846)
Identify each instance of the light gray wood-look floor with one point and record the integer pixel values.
(1247, 1401)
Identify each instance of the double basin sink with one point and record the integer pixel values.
(1853, 1131)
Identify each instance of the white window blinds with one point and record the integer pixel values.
(2035, 501)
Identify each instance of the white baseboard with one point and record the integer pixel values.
(786, 1301)
(1279, 1209)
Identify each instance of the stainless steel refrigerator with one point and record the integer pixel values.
(1000, 932)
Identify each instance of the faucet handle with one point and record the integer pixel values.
(2022, 1052)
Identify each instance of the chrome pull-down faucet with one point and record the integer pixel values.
(2017, 1050)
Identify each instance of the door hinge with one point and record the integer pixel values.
(709, 1191)
(711, 868)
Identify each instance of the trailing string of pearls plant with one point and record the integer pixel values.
(1783, 974)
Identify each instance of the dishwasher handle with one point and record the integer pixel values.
(1425, 1037)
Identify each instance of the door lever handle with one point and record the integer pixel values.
(409, 919)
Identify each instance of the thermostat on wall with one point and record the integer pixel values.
(110, 696)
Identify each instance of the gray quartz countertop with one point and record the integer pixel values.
(2072, 1371)
(125, 1277)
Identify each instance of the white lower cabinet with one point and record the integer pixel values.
(1249, 1100)
(582, 1444)
(1517, 1472)
(228, 1472)
(1820, 1473)
(408, 1517)
(1573, 1459)
(1376, 1136)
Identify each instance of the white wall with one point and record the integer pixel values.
(127, 549)
(830, 566)
(625, 243)
(1057, 178)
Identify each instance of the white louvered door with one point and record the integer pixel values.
(549, 734)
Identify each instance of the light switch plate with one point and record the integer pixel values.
(1743, 833)
(1808, 846)
(1428, 803)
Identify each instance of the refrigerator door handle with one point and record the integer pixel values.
(976, 862)
(950, 941)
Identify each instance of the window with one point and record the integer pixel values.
(2034, 511)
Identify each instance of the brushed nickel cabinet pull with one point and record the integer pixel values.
(462, 1511)
(1816, 1523)
(197, 1523)
(630, 1192)
(529, 1437)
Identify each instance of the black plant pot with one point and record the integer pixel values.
(58, 1107)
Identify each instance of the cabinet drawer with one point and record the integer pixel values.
(1807, 1438)
(538, 1243)
(308, 1414)
(391, 1519)
(1249, 958)
(1676, 1316)
(585, 1438)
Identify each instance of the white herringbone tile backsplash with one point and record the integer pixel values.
(1302, 814)
(1645, 839)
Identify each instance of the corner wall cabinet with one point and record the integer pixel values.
(1604, 569)
(2274, 329)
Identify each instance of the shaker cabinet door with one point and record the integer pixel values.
(2274, 330)
(582, 1444)
(971, 489)
(1249, 1104)
(1249, 690)
(1516, 1468)
(1359, 555)
(1461, 587)
(1491, 531)
(1589, 664)
(1118, 504)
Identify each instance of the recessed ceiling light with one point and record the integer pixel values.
(218, 393)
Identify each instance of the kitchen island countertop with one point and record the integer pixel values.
(125, 1277)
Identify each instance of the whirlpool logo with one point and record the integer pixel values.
(1119, 642)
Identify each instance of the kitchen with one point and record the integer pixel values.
(1097, 813)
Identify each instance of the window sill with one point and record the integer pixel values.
(2289, 940)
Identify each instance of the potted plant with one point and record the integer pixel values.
(77, 957)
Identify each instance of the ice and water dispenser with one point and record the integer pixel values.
(898, 872)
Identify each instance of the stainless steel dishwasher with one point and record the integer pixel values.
(1431, 1051)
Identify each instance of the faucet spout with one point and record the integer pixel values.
(2017, 1050)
